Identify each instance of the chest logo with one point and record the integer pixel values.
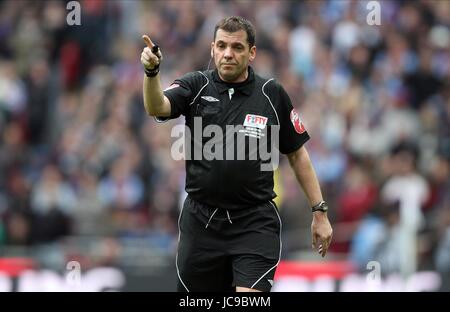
(210, 98)
(254, 126)
(255, 121)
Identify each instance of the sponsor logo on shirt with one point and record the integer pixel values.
(253, 125)
(296, 122)
(255, 121)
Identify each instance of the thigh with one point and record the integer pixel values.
(257, 249)
(254, 271)
(201, 264)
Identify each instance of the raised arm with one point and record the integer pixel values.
(155, 103)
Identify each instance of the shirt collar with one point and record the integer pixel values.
(244, 87)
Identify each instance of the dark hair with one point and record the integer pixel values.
(409, 147)
(235, 23)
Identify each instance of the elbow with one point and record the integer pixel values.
(299, 156)
(155, 113)
(294, 156)
(150, 112)
(155, 108)
(150, 109)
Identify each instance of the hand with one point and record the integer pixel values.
(321, 232)
(149, 59)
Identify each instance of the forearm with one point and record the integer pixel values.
(306, 175)
(153, 96)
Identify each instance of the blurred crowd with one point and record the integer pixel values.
(79, 157)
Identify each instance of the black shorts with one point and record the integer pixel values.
(220, 249)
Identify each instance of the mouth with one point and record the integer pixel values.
(228, 65)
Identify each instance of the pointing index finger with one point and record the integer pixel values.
(148, 41)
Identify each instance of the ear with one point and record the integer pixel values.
(212, 50)
(252, 53)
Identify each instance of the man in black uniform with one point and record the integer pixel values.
(229, 225)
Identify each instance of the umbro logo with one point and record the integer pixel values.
(210, 98)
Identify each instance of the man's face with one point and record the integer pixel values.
(232, 55)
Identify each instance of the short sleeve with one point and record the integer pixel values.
(180, 94)
(293, 133)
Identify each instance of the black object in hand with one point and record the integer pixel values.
(153, 72)
(155, 49)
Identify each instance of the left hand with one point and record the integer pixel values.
(321, 232)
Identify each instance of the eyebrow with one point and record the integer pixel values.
(238, 43)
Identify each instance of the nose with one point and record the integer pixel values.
(228, 54)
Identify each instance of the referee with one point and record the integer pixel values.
(229, 225)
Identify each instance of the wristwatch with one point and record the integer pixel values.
(322, 206)
(152, 72)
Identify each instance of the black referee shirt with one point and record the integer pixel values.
(253, 106)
